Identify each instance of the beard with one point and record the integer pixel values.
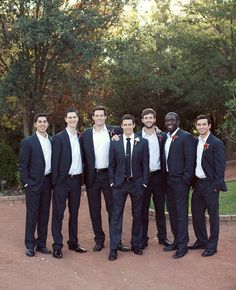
(149, 126)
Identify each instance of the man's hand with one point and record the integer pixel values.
(115, 137)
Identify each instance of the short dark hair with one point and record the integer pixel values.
(99, 108)
(175, 114)
(71, 110)
(40, 115)
(127, 117)
(202, 116)
(148, 111)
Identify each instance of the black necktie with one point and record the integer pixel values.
(128, 157)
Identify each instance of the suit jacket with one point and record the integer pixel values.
(62, 156)
(161, 137)
(139, 162)
(182, 157)
(31, 163)
(88, 151)
(213, 162)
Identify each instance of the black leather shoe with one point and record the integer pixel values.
(197, 246)
(57, 254)
(165, 242)
(112, 255)
(170, 248)
(44, 250)
(137, 251)
(208, 253)
(98, 247)
(77, 249)
(30, 253)
(179, 254)
(123, 248)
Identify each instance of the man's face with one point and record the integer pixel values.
(171, 123)
(128, 127)
(71, 120)
(149, 120)
(203, 127)
(99, 117)
(41, 125)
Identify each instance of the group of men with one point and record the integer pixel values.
(117, 162)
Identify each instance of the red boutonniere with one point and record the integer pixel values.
(174, 138)
(160, 137)
(206, 146)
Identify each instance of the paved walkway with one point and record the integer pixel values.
(92, 271)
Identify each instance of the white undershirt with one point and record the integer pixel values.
(76, 164)
(167, 146)
(154, 150)
(47, 151)
(101, 144)
(199, 172)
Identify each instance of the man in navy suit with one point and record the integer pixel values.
(179, 161)
(67, 168)
(155, 185)
(128, 174)
(35, 175)
(96, 144)
(209, 181)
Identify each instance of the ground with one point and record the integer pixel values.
(92, 271)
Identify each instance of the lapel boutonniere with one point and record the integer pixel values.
(136, 140)
(174, 138)
(206, 146)
(111, 132)
(160, 137)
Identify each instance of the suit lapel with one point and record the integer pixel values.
(37, 143)
(67, 139)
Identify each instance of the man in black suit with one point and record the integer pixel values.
(209, 181)
(155, 185)
(179, 161)
(35, 175)
(96, 144)
(67, 170)
(128, 174)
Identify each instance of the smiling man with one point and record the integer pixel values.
(35, 175)
(128, 175)
(179, 162)
(66, 177)
(96, 144)
(155, 184)
(209, 181)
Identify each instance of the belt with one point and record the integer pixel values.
(47, 175)
(154, 172)
(129, 178)
(74, 175)
(201, 179)
(101, 170)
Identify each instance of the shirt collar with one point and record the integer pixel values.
(42, 137)
(104, 129)
(203, 140)
(131, 137)
(172, 134)
(70, 134)
(144, 134)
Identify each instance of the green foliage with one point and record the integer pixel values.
(8, 163)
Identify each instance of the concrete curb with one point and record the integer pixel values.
(21, 199)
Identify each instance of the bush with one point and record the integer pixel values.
(8, 163)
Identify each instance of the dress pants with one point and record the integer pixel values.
(69, 190)
(100, 184)
(154, 190)
(37, 214)
(205, 198)
(177, 193)
(119, 196)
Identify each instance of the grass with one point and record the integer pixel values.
(227, 199)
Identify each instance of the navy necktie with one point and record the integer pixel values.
(128, 157)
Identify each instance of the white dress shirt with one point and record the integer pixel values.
(199, 172)
(101, 144)
(76, 164)
(154, 150)
(47, 151)
(167, 146)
